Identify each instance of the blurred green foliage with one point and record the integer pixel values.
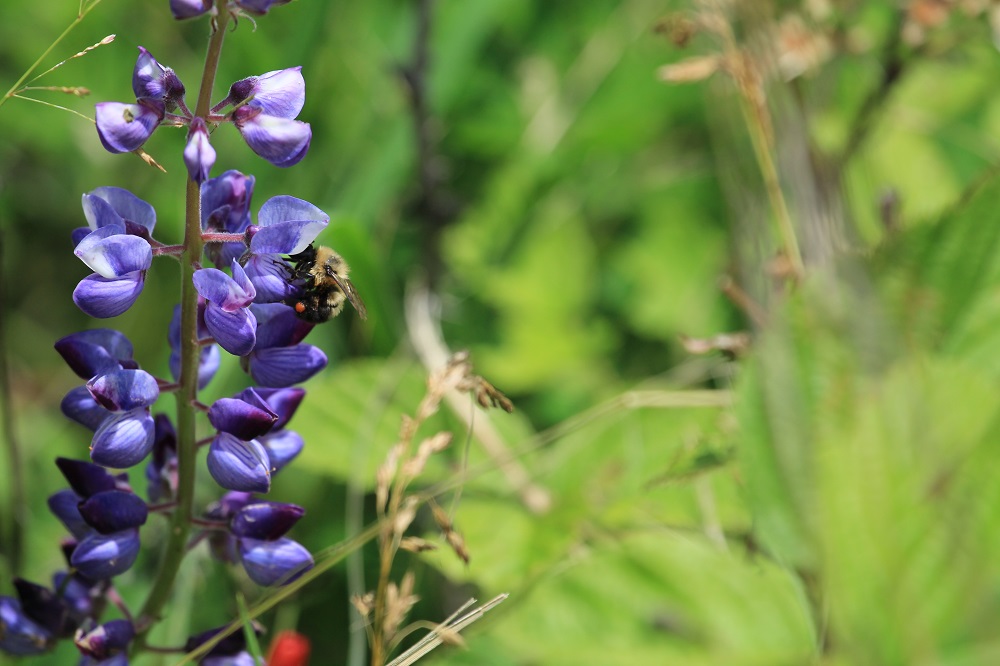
(837, 505)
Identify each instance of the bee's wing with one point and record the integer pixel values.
(351, 293)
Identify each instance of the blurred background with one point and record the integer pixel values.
(735, 263)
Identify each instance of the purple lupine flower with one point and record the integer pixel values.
(161, 472)
(105, 640)
(282, 445)
(225, 207)
(239, 465)
(266, 108)
(183, 9)
(117, 250)
(49, 610)
(279, 359)
(199, 156)
(113, 511)
(93, 352)
(287, 225)
(274, 562)
(88, 479)
(102, 556)
(227, 317)
(265, 520)
(209, 359)
(247, 415)
(122, 127)
(81, 407)
(19, 634)
(125, 438)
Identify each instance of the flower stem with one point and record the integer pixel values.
(187, 394)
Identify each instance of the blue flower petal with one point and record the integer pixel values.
(86, 478)
(123, 128)
(280, 141)
(225, 202)
(241, 418)
(151, 80)
(239, 465)
(273, 562)
(81, 407)
(236, 332)
(125, 205)
(102, 298)
(93, 352)
(64, 506)
(266, 520)
(282, 446)
(183, 9)
(199, 155)
(280, 93)
(123, 440)
(113, 511)
(103, 556)
(279, 367)
(222, 290)
(19, 635)
(278, 325)
(112, 254)
(284, 402)
(270, 276)
(105, 640)
(124, 390)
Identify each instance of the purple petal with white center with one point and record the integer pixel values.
(279, 367)
(241, 418)
(183, 9)
(280, 93)
(113, 511)
(274, 562)
(123, 128)
(284, 402)
(103, 556)
(241, 278)
(222, 290)
(100, 213)
(86, 478)
(124, 390)
(236, 332)
(208, 364)
(81, 407)
(282, 446)
(124, 204)
(266, 520)
(123, 440)
(19, 635)
(112, 254)
(239, 465)
(64, 506)
(150, 79)
(270, 275)
(278, 325)
(284, 208)
(105, 640)
(103, 298)
(280, 141)
(199, 155)
(93, 352)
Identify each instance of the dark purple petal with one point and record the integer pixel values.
(282, 446)
(283, 366)
(243, 419)
(152, 80)
(280, 141)
(102, 298)
(280, 93)
(43, 606)
(105, 640)
(273, 562)
(183, 9)
(81, 407)
(199, 155)
(64, 506)
(270, 275)
(236, 332)
(20, 635)
(228, 505)
(266, 520)
(112, 254)
(124, 390)
(278, 325)
(90, 353)
(284, 402)
(113, 511)
(239, 465)
(222, 290)
(125, 205)
(123, 128)
(86, 478)
(103, 556)
(123, 440)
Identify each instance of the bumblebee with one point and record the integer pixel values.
(325, 285)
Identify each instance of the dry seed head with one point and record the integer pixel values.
(385, 475)
(406, 514)
(417, 545)
(451, 535)
(415, 465)
(691, 70)
(364, 604)
(399, 601)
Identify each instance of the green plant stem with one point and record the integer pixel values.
(14, 89)
(187, 394)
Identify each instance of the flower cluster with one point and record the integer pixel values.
(264, 110)
(238, 307)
